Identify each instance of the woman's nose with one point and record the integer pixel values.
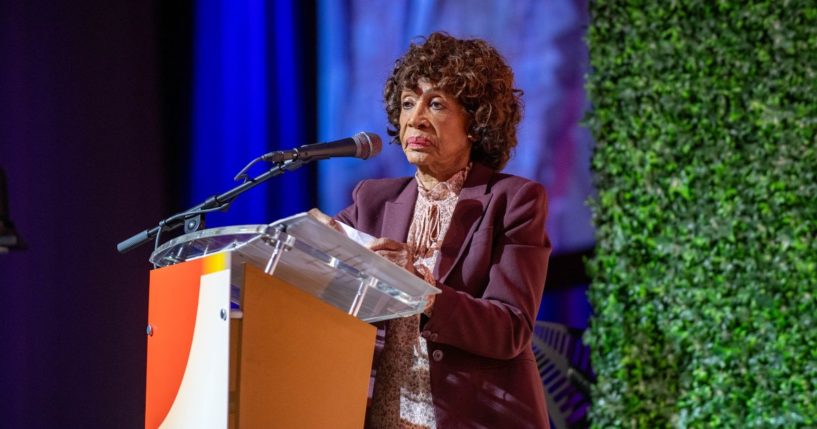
(418, 117)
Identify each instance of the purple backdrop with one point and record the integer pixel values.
(79, 140)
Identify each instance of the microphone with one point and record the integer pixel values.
(363, 145)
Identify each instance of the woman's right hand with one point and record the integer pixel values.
(325, 219)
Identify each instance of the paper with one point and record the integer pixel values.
(359, 237)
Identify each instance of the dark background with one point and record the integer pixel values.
(93, 127)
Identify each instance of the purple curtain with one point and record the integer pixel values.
(80, 144)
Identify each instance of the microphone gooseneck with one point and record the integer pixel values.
(363, 145)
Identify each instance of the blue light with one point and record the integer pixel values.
(236, 116)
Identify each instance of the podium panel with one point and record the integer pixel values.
(303, 363)
(290, 361)
(188, 344)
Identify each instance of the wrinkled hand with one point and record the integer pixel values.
(325, 219)
(394, 251)
(429, 308)
(400, 254)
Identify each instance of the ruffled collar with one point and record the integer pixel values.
(446, 189)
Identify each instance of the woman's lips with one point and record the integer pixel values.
(417, 142)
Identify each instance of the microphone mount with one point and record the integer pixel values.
(281, 156)
(363, 145)
(193, 218)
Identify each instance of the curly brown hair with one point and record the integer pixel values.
(477, 75)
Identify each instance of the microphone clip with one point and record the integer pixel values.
(280, 156)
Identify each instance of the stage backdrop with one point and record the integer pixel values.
(81, 144)
(359, 40)
(252, 93)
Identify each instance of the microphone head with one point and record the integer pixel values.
(367, 144)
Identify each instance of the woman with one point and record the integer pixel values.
(476, 234)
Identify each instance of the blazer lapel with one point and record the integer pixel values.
(398, 213)
(466, 218)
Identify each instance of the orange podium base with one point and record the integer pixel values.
(291, 361)
(302, 362)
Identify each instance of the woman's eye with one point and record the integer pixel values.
(436, 105)
(407, 104)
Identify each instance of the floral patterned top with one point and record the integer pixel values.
(402, 389)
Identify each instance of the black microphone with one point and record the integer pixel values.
(363, 145)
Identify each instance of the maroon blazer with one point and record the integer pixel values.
(491, 270)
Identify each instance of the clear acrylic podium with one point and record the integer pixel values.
(267, 326)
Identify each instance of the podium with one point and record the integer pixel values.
(268, 326)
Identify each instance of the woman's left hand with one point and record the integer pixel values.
(400, 254)
(395, 252)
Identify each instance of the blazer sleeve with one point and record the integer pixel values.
(499, 323)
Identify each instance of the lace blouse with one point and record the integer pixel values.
(402, 390)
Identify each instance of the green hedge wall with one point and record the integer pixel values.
(705, 280)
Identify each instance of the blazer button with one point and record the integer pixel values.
(437, 355)
(433, 337)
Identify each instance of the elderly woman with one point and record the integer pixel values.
(473, 232)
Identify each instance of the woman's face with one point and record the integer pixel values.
(433, 130)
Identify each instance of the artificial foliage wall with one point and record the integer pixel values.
(705, 281)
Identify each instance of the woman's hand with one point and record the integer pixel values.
(429, 308)
(400, 254)
(395, 252)
(325, 219)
